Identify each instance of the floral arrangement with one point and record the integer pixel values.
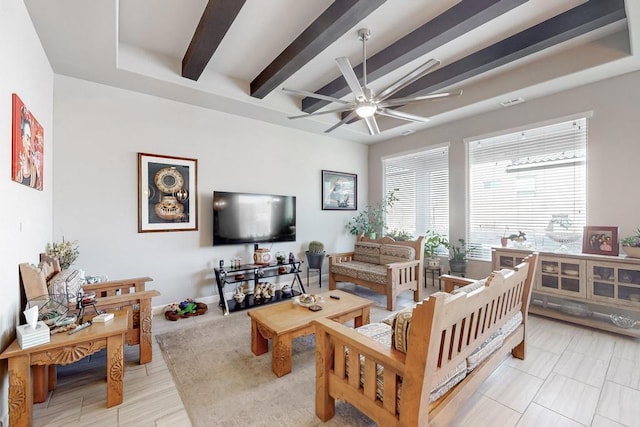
(66, 252)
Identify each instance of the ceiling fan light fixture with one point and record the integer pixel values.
(366, 109)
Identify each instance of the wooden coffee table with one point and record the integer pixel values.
(285, 321)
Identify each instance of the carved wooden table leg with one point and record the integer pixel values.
(259, 344)
(20, 393)
(281, 357)
(115, 369)
(363, 319)
(40, 383)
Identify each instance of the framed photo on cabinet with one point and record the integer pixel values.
(167, 193)
(339, 191)
(600, 240)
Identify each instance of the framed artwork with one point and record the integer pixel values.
(339, 191)
(167, 193)
(600, 240)
(27, 146)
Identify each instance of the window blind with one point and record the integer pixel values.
(421, 183)
(532, 181)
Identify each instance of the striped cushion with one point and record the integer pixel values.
(396, 253)
(367, 252)
(362, 270)
(380, 333)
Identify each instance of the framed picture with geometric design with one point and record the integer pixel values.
(167, 193)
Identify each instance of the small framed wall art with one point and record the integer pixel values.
(339, 191)
(167, 193)
(27, 146)
(601, 240)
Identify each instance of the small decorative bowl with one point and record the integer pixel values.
(576, 309)
(622, 321)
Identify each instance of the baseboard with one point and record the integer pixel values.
(213, 300)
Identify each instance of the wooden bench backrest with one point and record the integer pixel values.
(445, 328)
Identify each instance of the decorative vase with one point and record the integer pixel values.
(262, 256)
(504, 241)
(315, 260)
(631, 251)
(458, 266)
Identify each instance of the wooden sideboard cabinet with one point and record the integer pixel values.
(592, 290)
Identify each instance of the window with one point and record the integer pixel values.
(532, 181)
(421, 183)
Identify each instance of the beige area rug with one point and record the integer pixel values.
(221, 382)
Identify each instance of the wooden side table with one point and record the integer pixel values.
(63, 350)
(434, 273)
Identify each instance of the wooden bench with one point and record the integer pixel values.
(388, 273)
(445, 329)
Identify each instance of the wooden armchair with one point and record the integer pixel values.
(128, 295)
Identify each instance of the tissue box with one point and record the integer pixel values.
(103, 318)
(28, 337)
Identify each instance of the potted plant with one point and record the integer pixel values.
(631, 244)
(518, 239)
(458, 256)
(371, 220)
(504, 240)
(400, 235)
(315, 255)
(433, 240)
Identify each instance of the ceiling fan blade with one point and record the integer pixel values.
(402, 115)
(315, 95)
(350, 76)
(335, 110)
(349, 117)
(408, 79)
(372, 125)
(414, 99)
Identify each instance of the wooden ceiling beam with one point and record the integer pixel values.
(451, 24)
(216, 20)
(336, 20)
(573, 23)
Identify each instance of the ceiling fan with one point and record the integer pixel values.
(367, 104)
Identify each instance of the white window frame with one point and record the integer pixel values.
(420, 222)
(537, 237)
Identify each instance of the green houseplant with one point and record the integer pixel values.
(433, 240)
(315, 254)
(371, 219)
(631, 244)
(458, 256)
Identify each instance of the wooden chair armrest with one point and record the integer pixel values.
(125, 299)
(124, 285)
(403, 264)
(450, 282)
(340, 257)
(370, 349)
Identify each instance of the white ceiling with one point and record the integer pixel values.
(139, 45)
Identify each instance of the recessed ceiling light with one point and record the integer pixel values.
(511, 102)
(407, 132)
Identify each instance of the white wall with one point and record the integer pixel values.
(101, 129)
(613, 197)
(25, 221)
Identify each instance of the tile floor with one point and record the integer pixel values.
(572, 376)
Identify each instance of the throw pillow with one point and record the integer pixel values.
(400, 329)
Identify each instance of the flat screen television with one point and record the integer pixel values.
(253, 218)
